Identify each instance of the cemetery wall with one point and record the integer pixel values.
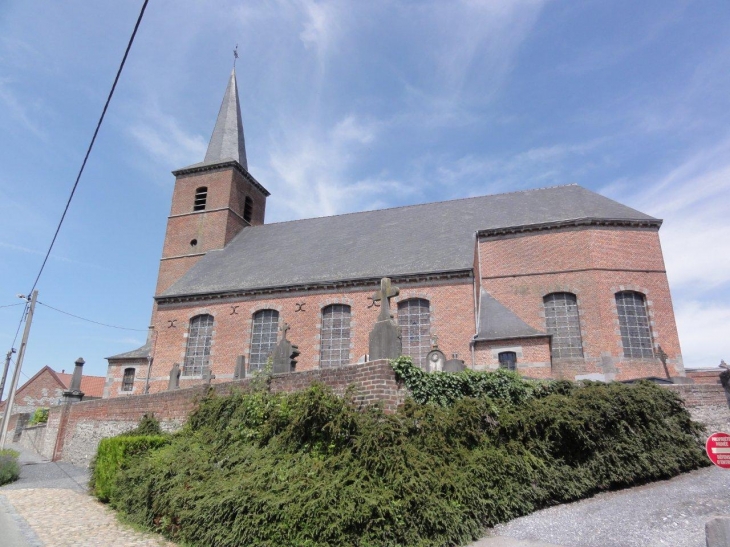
(593, 264)
(87, 422)
(708, 404)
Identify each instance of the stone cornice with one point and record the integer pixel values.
(202, 168)
(364, 283)
(575, 223)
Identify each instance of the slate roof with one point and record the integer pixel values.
(497, 322)
(227, 139)
(418, 239)
(139, 353)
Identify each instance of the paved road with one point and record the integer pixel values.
(667, 513)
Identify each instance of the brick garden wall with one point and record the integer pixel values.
(708, 403)
(89, 422)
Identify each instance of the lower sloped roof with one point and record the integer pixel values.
(498, 322)
(418, 239)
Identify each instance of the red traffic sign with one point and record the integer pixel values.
(718, 449)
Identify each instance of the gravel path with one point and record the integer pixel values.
(667, 513)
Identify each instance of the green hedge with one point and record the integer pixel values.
(9, 468)
(310, 469)
(40, 416)
(113, 455)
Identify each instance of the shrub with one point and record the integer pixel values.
(148, 425)
(40, 416)
(445, 388)
(9, 468)
(115, 454)
(311, 469)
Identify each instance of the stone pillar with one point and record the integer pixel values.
(74, 393)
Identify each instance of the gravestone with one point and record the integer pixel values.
(385, 338)
(435, 360)
(454, 365)
(74, 394)
(174, 381)
(285, 354)
(239, 371)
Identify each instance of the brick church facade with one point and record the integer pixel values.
(554, 283)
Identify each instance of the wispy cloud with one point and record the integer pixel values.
(704, 332)
(17, 108)
(27, 250)
(161, 136)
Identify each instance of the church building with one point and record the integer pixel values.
(554, 282)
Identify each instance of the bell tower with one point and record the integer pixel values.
(213, 200)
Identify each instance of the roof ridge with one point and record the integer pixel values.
(419, 204)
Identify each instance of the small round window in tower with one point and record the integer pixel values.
(193, 242)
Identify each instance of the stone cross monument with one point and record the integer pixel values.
(174, 381)
(385, 338)
(74, 394)
(285, 353)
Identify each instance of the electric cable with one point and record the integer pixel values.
(11, 305)
(91, 145)
(90, 320)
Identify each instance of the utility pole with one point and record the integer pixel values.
(16, 374)
(5, 372)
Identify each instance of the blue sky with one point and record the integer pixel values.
(350, 106)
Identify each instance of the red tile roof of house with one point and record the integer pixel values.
(91, 386)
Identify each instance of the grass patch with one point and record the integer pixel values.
(9, 467)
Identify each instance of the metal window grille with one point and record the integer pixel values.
(128, 380)
(633, 321)
(508, 360)
(247, 209)
(201, 196)
(263, 337)
(335, 338)
(414, 318)
(562, 321)
(197, 352)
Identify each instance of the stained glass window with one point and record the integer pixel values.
(263, 337)
(335, 339)
(633, 321)
(414, 318)
(197, 352)
(562, 321)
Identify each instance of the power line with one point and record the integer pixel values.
(91, 144)
(11, 305)
(90, 320)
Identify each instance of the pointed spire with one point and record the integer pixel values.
(227, 141)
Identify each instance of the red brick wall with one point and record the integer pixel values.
(115, 375)
(43, 391)
(704, 376)
(88, 422)
(533, 356)
(211, 228)
(593, 264)
(452, 320)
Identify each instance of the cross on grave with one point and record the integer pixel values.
(208, 376)
(284, 327)
(386, 292)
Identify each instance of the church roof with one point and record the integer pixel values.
(227, 141)
(431, 238)
(139, 353)
(497, 322)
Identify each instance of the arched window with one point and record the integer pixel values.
(335, 338)
(128, 380)
(201, 196)
(247, 209)
(508, 360)
(197, 352)
(414, 318)
(562, 321)
(633, 321)
(263, 337)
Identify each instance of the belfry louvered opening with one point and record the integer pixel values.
(248, 209)
(201, 197)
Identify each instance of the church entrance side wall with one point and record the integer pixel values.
(593, 264)
(452, 320)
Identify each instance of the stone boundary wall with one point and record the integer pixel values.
(708, 403)
(77, 429)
